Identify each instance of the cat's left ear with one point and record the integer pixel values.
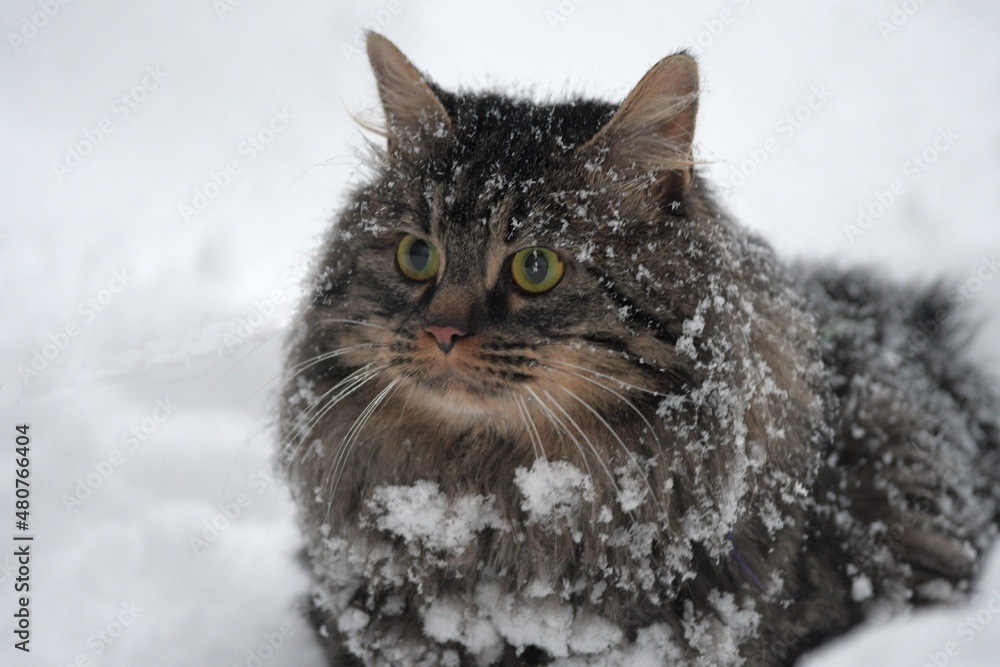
(412, 109)
(651, 134)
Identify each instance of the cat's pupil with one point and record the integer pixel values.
(420, 254)
(536, 267)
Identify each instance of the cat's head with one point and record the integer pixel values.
(519, 281)
(509, 247)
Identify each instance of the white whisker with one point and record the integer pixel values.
(350, 440)
(590, 443)
(614, 393)
(315, 411)
(402, 410)
(560, 426)
(605, 376)
(530, 427)
(621, 443)
(360, 323)
(332, 354)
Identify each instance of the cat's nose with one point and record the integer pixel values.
(444, 335)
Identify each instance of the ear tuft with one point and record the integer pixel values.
(412, 109)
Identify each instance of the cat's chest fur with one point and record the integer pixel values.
(546, 403)
(459, 540)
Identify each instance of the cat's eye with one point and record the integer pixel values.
(537, 270)
(417, 259)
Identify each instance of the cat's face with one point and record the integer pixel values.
(495, 257)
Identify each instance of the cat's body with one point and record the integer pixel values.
(546, 402)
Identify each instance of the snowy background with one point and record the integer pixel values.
(167, 168)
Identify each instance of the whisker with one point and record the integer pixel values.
(614, 393)
(413, 388)
(552, 419)
(332, 354)
(350, 440)
(305, 414)
(605, 376)
(360, 323)
(346, 437)
(621, 443)
(243, 358)
(530, 427)
(306, 364)
(590, 443)
(351, 385)
(555, 421)
(295, 433)
(534, 428)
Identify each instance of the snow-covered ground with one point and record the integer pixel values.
(167, 168)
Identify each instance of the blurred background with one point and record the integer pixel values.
(169, 167)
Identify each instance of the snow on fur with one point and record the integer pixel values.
(421, 514)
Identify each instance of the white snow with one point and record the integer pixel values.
(553, 492)
(421, 514)
(448, 620)
(690, 330)
(197, 309)
(861, 588)
(632, 486)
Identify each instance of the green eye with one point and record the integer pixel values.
(417, 258)
(536, 270)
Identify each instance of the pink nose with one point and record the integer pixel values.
(444, 335)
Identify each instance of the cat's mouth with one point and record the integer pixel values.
(465, 379)
(457, 373)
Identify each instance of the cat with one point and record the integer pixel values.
(546, 403)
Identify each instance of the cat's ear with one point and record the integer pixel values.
(651, 133)
(412, 110)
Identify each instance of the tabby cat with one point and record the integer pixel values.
(548, 404)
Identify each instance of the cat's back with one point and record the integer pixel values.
(917, 434)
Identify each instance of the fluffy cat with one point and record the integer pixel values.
(547, 404)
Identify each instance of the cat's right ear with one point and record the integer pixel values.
(649, 138)
(412, 110)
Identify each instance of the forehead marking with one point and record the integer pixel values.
(436, 206)
(497, 252)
